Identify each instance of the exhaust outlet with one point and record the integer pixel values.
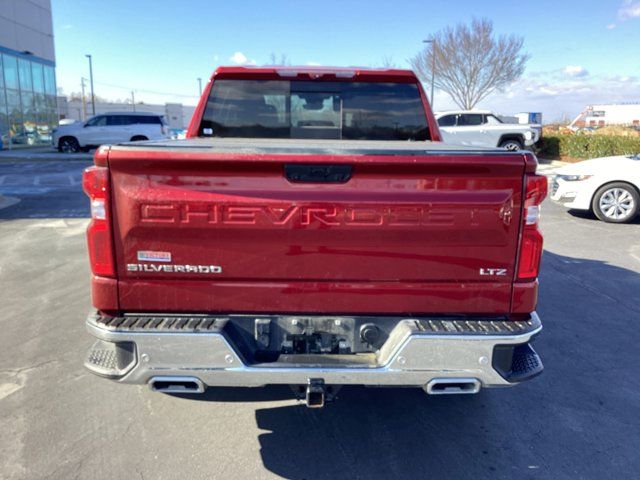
(176, 385)
(453, 386)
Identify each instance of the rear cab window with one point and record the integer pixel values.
(470, 119)
(316, 110)
(447, 121)
(492, 120)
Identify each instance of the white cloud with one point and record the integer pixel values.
(554, 94)
(240, 58)
(576, 71)
(559, 97)
(611, 26)
(629, 9)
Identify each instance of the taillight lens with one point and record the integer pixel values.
(531, 244)
(95, 183)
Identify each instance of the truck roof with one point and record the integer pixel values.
(317, 73)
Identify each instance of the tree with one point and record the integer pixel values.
(283, 61)
(388, 62)
(470, 62)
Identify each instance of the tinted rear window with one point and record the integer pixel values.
(117, 120)
(469, 119)
(145, 119)
(447, 121)
(321, 110)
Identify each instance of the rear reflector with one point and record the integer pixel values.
(531, 241)
(95, 183)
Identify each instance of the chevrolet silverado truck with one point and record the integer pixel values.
(313, 231)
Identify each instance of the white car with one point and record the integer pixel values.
(116, 127)
(608, 186)
(481, 128)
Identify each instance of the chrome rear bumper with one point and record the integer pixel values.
(419, 352)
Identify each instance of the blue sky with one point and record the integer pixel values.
(582, 51)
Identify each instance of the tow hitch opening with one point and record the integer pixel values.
(315, 393)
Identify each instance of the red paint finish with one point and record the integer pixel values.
(330, 297)
(525, 297)
(104, 294)
(410, 234)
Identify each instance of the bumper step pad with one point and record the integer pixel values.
(208, 324)
(526, 363)
(517, 363)
(111, 360)
(476, 327)
(148, 324)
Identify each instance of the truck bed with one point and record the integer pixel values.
(410, 231)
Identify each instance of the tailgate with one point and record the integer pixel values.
(404, 234)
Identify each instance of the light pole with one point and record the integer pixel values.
(433, 67)
(93, 99)
(84, 100)
(200, 86)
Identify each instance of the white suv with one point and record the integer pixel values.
(481, 128)
(107, 128)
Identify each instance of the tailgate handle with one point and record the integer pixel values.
(317, 173)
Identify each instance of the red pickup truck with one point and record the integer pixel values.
(314, 231)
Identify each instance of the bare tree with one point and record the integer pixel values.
(284, 60)
(470, 62)
(387, 61)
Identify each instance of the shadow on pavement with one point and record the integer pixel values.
(269, 393)
(577, 420)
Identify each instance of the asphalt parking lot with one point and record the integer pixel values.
(579, 420)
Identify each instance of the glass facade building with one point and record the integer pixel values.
(28, 109)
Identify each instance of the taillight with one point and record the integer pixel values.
(531, 244)
(95, 183)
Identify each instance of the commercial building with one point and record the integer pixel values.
(626, 114)
(27, 73)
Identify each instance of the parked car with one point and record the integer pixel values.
(607, 186)
(482, 128)
(115, 127)
(313, 231)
